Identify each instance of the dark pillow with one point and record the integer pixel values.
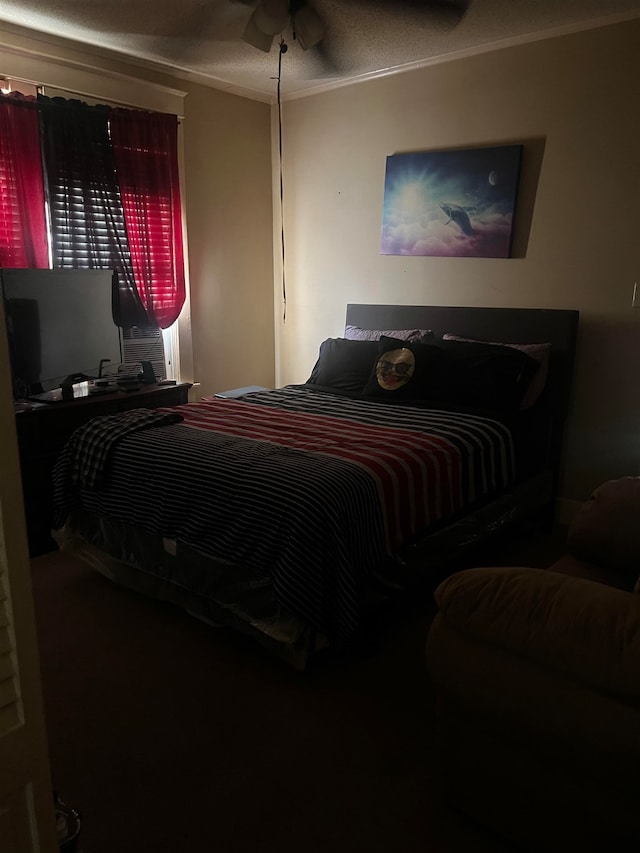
(478, 376)
(541, 353)
(345, 365)
(483, 375)
(404, 370)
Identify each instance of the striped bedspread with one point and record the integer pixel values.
(313, 489)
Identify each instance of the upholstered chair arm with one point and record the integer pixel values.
(578, 627)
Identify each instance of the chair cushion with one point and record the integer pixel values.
(586, 630)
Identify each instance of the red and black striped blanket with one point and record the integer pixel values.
(312, 489)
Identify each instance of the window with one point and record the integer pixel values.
(110, 178)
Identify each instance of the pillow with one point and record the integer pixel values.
(540, 352)
(485, 376)
(403, 370)
(355, 333)
(605, 530)
(344, 365)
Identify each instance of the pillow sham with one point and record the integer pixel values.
(540, 352)
(355, 333)
(343, 364)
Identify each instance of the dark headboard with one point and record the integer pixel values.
(559, 327)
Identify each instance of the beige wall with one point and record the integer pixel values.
(573, 103)
(226, 192)
(229, 224)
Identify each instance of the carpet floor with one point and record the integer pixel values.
(169, 736)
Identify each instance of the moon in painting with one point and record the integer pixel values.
(494, 178)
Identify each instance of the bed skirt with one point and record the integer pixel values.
(233, 596)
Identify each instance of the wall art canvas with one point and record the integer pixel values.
(457, 203)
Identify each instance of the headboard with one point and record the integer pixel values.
(559, 327)
(511, 325)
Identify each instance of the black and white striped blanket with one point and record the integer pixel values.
(312, 489)
(91, 445)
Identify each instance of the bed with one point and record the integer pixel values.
(294, 514)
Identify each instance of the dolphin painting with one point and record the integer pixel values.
(458, 215)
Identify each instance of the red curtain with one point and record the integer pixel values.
(145, 148)
(23, 228)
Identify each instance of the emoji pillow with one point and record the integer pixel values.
(402, 369)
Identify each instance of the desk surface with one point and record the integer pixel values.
(87, 398)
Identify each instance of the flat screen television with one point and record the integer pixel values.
(59, 323)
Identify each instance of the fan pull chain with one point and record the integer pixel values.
(283, 49)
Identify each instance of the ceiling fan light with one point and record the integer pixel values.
(272, 16)
(308, 27)
(256, 37)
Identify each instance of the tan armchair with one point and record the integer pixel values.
(537, 675)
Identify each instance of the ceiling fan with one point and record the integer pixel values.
(271, 17)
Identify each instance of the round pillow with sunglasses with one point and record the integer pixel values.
(401, 368)
(395, 368)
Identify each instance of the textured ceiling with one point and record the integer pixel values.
(363, 37)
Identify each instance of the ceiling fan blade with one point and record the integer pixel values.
(325, 60)
(445, 11)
